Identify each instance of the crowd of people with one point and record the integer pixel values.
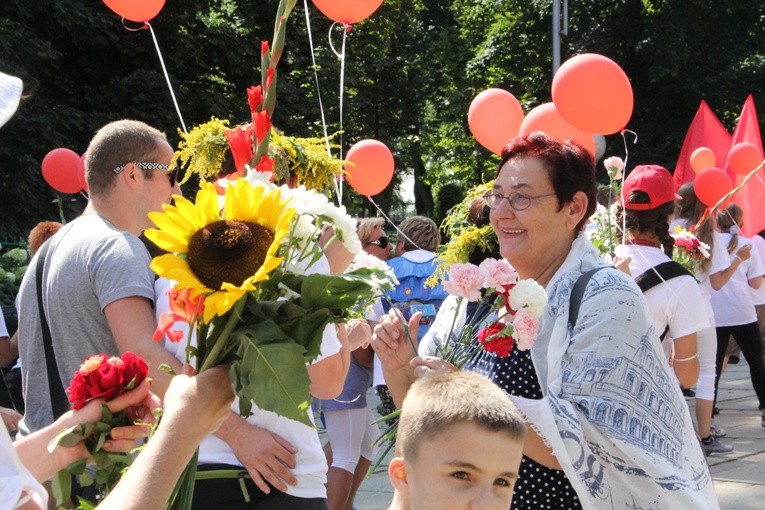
(591, 416)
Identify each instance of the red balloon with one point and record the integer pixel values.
(744, 157)
(494, 117)
(347, 12)
(545, 117)
(593, 94)
(81, 173)
(702, 158)
(373, 165)
(711, 184)
(59, 169)
(136, 10)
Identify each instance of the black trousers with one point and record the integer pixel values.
(227, 494)
(748, 338)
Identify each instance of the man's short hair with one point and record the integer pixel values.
(115, 144)
(422, 231)
(367, 226)
(441, 399)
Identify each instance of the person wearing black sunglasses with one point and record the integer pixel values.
(373, 238)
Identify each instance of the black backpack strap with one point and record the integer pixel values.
(661, 273)
(58, 401)
(577, 293)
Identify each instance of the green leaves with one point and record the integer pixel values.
(271, 373)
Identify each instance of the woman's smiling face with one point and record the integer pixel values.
(537, 239)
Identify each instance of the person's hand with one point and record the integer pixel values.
(268, 457)
(359, 333)
(139, 403)
(426, 364)
(10, 418)
(744, 252)
(390, 342)
(202, 400)
(623, 264)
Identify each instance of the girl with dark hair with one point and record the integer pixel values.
(674, 299)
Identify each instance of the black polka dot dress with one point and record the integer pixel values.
(538, 487)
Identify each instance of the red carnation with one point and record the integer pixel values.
(494, 339)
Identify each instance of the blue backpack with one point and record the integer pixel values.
(411, 295)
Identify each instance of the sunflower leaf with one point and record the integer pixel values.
(272, 375)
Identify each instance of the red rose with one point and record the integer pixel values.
(493, 340)
(103, 377)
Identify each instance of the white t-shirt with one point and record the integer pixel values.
(311, 463)
(733, 304)
(677, 302)
(758, 295)
(15, 478)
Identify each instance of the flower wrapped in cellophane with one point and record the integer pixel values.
(688, 250)
(253, 284)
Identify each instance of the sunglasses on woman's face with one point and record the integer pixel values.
(382, 242)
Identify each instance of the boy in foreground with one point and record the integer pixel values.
(459, 445)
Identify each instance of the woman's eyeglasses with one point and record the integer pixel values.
(172, 174)
(382, 242)
(518, 201)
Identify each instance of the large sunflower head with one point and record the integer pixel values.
(221, 254)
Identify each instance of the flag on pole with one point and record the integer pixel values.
(706, 130)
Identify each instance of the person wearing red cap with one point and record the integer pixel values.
(672, 293)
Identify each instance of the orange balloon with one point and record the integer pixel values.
(494, 117)
(702, 158)
(744, 157)
(593, 94)
(136, 10)
(347, 11)
(59, 169)
(372, 168)
(545, 117)
(710, 185)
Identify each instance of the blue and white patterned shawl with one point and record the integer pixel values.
(612, 410)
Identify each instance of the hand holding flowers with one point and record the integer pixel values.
(688, 250)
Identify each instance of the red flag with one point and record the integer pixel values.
(706, 130)
(751, 198)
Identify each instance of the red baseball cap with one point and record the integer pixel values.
(653, 180)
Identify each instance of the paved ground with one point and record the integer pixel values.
(739, 476)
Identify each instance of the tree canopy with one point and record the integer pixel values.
(411, 71)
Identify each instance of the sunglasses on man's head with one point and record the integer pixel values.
(382, 242)
(172, 174)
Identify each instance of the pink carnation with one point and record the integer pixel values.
(497, 273)
(525, 329)
(465, 280)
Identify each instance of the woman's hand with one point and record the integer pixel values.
(390, 342)
(10, 419)
(744, 252)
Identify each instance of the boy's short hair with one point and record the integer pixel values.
(441, 399)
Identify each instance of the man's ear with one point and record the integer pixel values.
(397, 475)
(576, 209)
(130, 175)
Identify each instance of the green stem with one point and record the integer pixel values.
(235, 316)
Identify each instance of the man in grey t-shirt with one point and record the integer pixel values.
(97, 287)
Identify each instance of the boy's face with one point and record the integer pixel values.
(463, 467)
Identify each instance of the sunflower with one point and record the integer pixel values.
(225, 254)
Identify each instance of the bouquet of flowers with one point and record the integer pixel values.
(249, 285)
(105, 377)
(496, 289)
(688, 250)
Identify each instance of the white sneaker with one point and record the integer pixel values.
(716, 431)
(716, 447)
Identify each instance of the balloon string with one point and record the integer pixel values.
(167, 77)
(624, 172)
(318, 94)
(395, 227)
(346, 29)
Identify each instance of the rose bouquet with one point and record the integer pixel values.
(104, 377)
(688, 250)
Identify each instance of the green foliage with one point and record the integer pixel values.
(13, 265)
(412, 70)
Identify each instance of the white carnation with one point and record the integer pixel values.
(528, 294)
